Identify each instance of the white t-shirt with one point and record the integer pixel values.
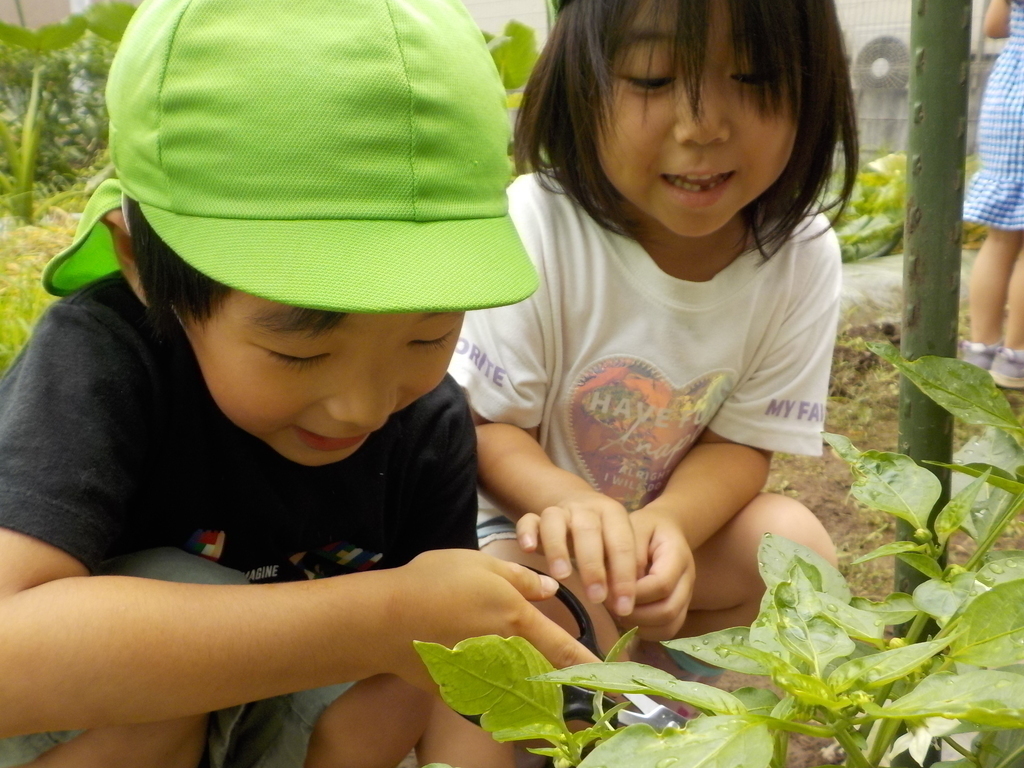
(623, 366)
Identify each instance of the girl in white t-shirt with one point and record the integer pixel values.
(683, 331)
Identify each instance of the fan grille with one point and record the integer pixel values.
(883, 63)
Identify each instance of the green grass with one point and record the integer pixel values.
(23, 254)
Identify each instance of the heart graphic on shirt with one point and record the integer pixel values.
(630, 426)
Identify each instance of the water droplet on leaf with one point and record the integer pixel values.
(666, 762)
(995, 568)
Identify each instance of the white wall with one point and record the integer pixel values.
(37, 12)
(492, 15)
(40, 12)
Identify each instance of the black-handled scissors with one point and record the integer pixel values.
(579, 702)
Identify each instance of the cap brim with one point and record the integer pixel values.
(342, 266)
(358, 265)
(91, 255)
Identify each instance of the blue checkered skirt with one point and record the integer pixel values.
(996, 195)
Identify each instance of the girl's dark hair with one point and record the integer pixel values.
(176, 291)
(794, 46)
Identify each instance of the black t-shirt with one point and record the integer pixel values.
(110, 443)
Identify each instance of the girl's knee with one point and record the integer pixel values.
(375, 723)
(786, 517)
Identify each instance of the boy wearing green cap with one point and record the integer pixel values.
(246, 386)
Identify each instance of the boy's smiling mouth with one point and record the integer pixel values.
(322, 443)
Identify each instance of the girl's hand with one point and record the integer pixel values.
(597, 530)
(445, 596)
(666, 586)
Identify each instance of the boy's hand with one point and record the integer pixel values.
(446, 596)
(666, 586)
(602, 542)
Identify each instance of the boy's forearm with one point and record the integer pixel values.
(713, 482)
(518, 475)
(94, 651)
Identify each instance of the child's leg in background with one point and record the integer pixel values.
(728, 588)
(381, 719)
(992, 286)
(1014, 336)
(174, 744)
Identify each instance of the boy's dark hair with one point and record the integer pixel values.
(794, 46)
(177, 292)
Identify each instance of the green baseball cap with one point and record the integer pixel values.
(347, 155)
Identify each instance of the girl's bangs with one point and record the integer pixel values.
(766, 36)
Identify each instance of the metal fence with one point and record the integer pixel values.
(878, 45)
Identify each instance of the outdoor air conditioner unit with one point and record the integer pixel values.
(882, 63)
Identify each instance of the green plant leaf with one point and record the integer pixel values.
(630, 677)
(842, 446)
(885, 667)
(530, 732)
(964, 390)
(897, 608)
(816, 640)
(941, 599)
(993, 746)
(887, 550)
(109, 20)
(992, 628)
(1000, 478)
(992, 446)
(1002, 566)
(707, 742)
(515, 54)
(777, 555)
(774, 663)
(858, 624)
(758, 701)
(926, 565)
(487, 676)
(894, 483)
(985, 697)
(18, 36)
(622, 644)
(957, 510)
(53, 37)
(809, 690)
(716, 648)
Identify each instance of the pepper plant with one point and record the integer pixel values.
(840, 673)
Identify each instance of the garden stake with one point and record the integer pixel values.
(939, 79)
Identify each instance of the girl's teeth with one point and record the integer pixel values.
(693, 183)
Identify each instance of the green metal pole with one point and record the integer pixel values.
(940, 39)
